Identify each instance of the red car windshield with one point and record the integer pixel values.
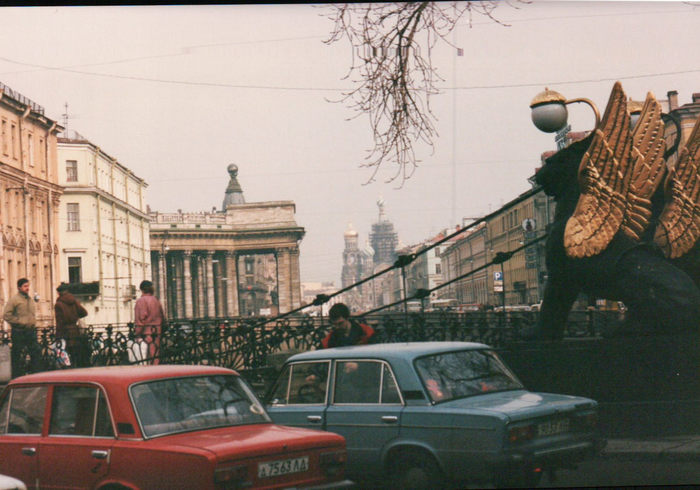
(460, 374)
(167, 406)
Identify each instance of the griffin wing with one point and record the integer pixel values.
(603, 180)
(679, 222)
(647, 168)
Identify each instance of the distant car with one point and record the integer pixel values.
(141, 427)
(433, 414)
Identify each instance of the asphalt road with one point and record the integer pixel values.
(615, 473)
(610, 472)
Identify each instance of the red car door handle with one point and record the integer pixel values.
(97, 454)
(390, 419)
(29, 451)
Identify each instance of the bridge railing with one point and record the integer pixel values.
(248, 345)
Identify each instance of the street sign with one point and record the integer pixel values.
(498, 282)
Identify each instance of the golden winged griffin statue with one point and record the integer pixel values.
(627, 222)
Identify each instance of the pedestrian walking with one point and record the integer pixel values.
(345, 330)
(68, 311)
(149, 319)
(20, 314)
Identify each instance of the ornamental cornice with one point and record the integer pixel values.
(219, 233)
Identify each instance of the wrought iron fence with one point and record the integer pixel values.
(249, 346)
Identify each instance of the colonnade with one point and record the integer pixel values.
(206, 283)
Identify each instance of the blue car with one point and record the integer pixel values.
(434, 414)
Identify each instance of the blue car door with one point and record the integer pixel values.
(365, 408)
(299, 396)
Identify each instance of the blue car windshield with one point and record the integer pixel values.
(451, 375)
(167, 406)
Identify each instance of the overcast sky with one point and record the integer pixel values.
(177, 93)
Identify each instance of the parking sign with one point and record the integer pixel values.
(498, 281)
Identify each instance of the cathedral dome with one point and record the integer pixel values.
(350, 232)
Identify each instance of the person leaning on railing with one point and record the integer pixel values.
(68, 311)
(19, 313)
(149, 319)
(346, 331)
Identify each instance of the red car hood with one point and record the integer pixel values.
(251, 441)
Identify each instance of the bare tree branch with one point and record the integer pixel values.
(393, 72)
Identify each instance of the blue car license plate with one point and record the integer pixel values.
(552, 427)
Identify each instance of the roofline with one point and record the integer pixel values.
(76, 142)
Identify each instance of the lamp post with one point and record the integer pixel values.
(549, 111)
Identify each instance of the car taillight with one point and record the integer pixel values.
(521, 433)
(333, 463)
(232, 476)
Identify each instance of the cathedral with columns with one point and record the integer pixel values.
(240, 261)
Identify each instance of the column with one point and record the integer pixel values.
(231, 284)
(187, 282)
(211, 306)
(179, 280)
(294, 280)
(155, 273)
(162, 279)
(220, 275)
(201, 298)
(283, 280)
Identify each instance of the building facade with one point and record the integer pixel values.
(517, 281)
(686, 115)
(241, 261)
(104, 230)
(30, 196)
(383, 238)
(466, 254)
(358, 263)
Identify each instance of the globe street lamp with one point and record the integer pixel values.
(549, 111)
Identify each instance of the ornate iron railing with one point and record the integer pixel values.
(249, 346)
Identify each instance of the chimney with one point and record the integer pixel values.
(696, 98)
(672, 100)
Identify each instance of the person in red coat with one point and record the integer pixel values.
(346, 331)
(149, 319)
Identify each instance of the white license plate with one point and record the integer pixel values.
(552, 427)
(283, 467)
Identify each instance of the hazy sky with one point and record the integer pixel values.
(177, 93)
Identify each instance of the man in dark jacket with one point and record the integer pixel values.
(68, 311)
(346, 331)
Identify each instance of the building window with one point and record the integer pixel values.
(13, 133)
(74, 270)
(71, 171)
(30, 148)
(437, 269)
(42, 155)
(4, 137)
(73, 216)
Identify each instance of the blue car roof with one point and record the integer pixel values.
(405, 351)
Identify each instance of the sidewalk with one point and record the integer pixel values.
(679, 449)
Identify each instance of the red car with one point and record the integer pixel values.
(141, 427)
